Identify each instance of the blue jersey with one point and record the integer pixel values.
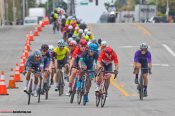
(46, 59)
(31, 63)
(89, 60)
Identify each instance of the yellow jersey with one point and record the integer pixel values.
(61, 53)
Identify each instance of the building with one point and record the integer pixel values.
(144, 12)
(2, 12)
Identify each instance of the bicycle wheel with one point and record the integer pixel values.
(46, 91)
(80, 93)
(104, 93)
(61, 84)
(39, 91)
(141, 88)
(30, 91)
(97, 94)
(84, 91)
(73, 92)
(79, 96)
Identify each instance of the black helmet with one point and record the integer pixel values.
(44, 47)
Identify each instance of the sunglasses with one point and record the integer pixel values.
(144, 50)
(83, 46)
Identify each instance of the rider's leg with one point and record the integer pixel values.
(27, 80)
(108, 68)
(35, 84)
(136, 71)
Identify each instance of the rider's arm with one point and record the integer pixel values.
(115, 57)
(149, 59)
(136, 56)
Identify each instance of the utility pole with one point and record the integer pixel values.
(14, 12)
(167, 9)
(24, 9)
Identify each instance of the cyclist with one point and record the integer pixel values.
(90, 35)
(72, 46)
(142, 59)
(87, 62)
(103, 45)
(62, 54)
(33, 63)
(105, 61)
(55, 20)
(52, 64)
(74, 62)
(46, 58)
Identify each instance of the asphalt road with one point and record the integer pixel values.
(123, 99)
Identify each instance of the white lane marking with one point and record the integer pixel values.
(128, 46)
(162, 65)
(168, 49)
(131, 47)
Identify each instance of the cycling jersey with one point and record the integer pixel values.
(103, 58)
(89, 60)
(144, 59)
(61, 54)
(46, 59)
(55, 16)
(31, 63)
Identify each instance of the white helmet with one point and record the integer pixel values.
(80, 31)
(88, 33)
(104, 43)
(143, 46)
(70, 39)
(70, 27)
(85, 31)
(61, 43)
(51, 47)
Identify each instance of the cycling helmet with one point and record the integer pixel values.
(93, 47)
(104, 43)
(143, 46)
(108, 50)
(61, 43)
(85, 31)
(83, 42)
(70, 27)
(51, 47)
(70, 39)
(80, 31)
(72, 43)
(89, 33)
(44, 47)
(37, 54)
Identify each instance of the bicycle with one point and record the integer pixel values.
(61, 80)
(73, 92)
(82, 84)
(55, 26)
(140, 86)
(102, 93)
(30, 86)
(46, 88)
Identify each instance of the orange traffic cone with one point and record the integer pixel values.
(3, 89)
(28, 47)
(39, 28)
(21, 68)
(25, 52)
(31, 36)
(36, 32)
(24, 59)
(12, 84)
(17, 75)
(42, 24)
